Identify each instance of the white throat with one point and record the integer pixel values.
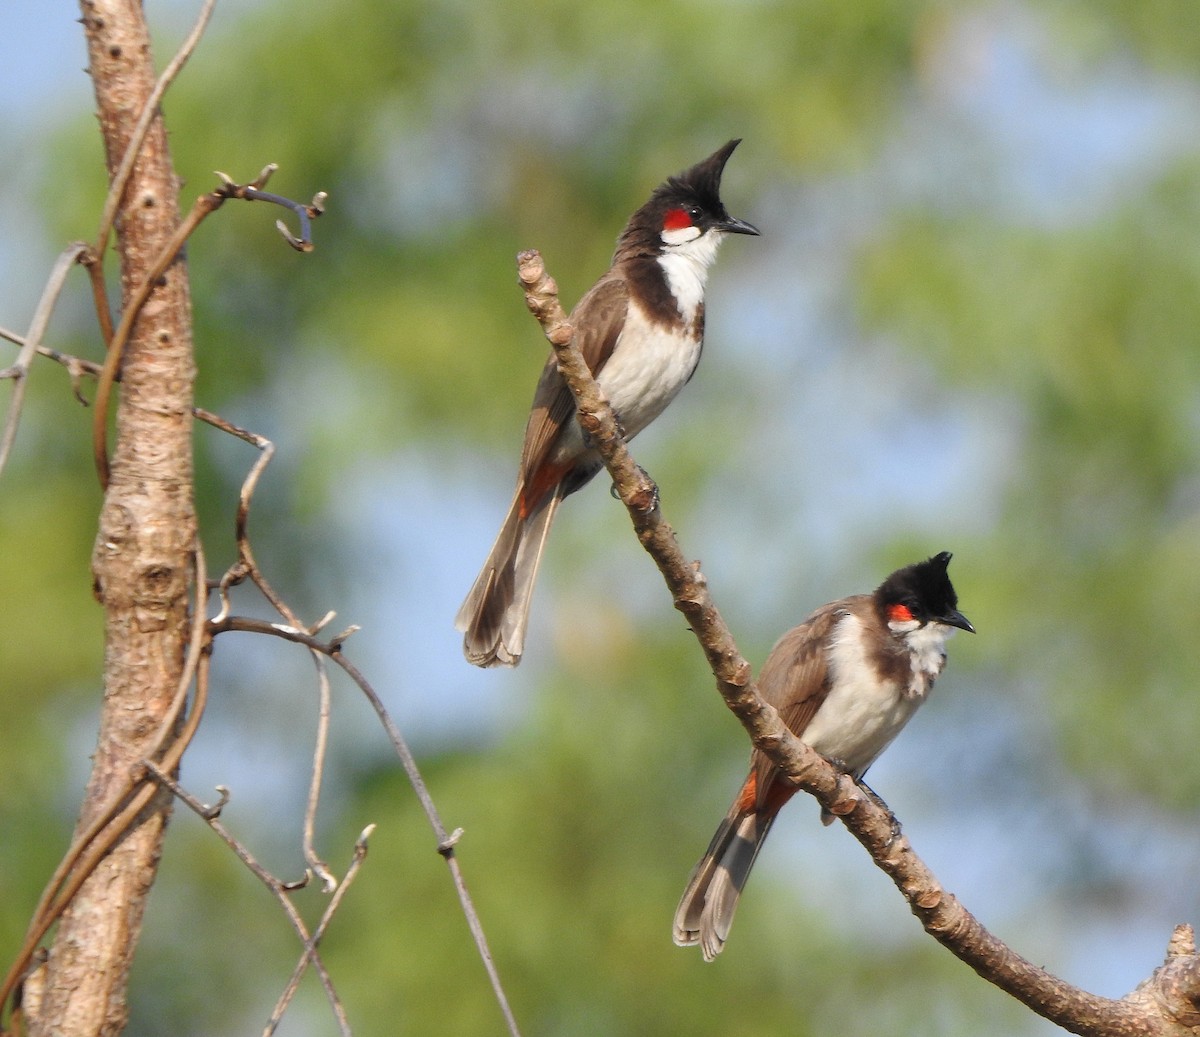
(927, 644)
(687, 255)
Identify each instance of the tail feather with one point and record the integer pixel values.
(706, 909)
(495, 613)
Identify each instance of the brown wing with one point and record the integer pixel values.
(795, 680)
(598, 320)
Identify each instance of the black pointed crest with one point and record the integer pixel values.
(701, 183)
(926, 589)
(698, 187)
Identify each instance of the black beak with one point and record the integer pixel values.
(954, 618)
(732, 225)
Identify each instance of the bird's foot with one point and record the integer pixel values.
(878, 801)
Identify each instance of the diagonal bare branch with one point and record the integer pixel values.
(870, 822)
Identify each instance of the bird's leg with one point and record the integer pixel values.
(589, 440)
(878, 801)
(646, 499)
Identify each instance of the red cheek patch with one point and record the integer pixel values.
(899, 613)
(676, 219)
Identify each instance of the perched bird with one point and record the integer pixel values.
(640, 329)
(845, 681)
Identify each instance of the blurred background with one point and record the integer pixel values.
(969, 325)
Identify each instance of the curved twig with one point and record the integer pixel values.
(204, 206)
(149, 110)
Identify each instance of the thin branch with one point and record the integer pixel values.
(329, 882)
(246, 566)
(76, 367)
(204, 206)
(94, 259)
(149, 110)
(869, 822)
(19, 371)
(310, 946)
(445, 841)
(293, 630)
(278, 888)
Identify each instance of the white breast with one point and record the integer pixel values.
(862, 714)
(648, 367)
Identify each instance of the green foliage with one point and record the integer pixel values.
(452, 134)
(1099, 349)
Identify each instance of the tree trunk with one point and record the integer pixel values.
(144, 547)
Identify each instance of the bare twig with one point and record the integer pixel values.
(278, 888)
(246, 566)
(76, 367)
(310, 946)
(294, 630)
(204, 206)
(19, 371)
(445, 842)
(869, 822)
(319, 867)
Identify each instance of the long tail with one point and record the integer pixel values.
(706, 909)
(494, 616)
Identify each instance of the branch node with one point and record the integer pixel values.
(76, 370)
(268, 171)
(930, 899)
(446, 846)
(211, 813)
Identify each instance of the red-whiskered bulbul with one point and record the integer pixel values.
(640, 329)
(845, 681)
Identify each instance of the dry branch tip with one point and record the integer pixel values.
(300, 883)
(213, 811)
(253, 192)
(336, 642)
